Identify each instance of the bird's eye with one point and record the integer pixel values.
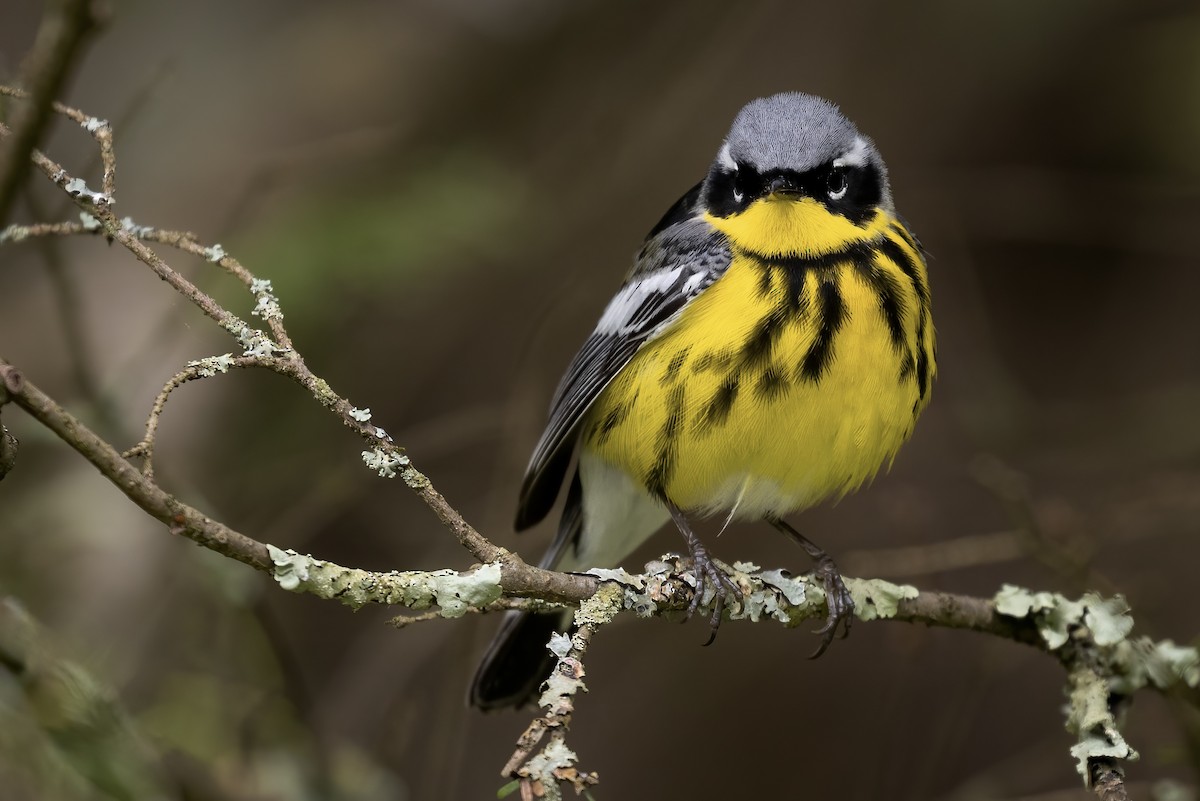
(837, 183)
(740, 182)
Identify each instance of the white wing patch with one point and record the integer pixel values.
(632, 298)
(695, 282)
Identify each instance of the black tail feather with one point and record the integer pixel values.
(517, 662)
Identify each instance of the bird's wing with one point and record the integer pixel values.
(682, 256)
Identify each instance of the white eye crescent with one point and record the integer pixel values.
(737, 196)
(837, 183)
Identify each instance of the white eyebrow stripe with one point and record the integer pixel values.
(725, 159)
(855, 156)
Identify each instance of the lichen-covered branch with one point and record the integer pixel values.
(518, 578)
(539, 772)
(453, 592)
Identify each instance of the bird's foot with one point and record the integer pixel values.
(709, 574)
(838, 603)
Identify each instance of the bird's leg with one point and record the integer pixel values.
(707, 573)
(838, 602)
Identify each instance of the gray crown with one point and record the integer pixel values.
(796, 131)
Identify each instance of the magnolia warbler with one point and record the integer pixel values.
(771, 347)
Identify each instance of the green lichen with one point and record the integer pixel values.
(1107, 618)
(876, 599)
(1091, 720)
(1053, 614)
(602, 607)
(774, 593)
(414, 478)
(383, 462)
(1109, 665)
(1163, 664)
(324, 393)
(212, 365)
(1056, 615)
(453, 592)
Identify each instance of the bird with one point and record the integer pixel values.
(771, 347)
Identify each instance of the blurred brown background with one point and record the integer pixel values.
(445, 195)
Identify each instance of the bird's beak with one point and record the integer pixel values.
(781, 185)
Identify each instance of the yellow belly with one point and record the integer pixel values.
(752, 400)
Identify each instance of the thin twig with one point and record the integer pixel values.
(203, 368)
(518, 578)
(181, 518)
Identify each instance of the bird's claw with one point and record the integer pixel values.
(838, 602)
(708, 574)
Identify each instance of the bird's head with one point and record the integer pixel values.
(795, 177)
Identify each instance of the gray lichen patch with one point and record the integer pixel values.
(1090, 718)
(453, 592)
(1104, 663)
(1056, 615)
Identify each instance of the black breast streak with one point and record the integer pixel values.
(766, 278)
(894, 252)
(762, 339)
(715, 360)
(603, 427)
(892, 306)
(675, 366)
(771, 383)
(831, 315)
(908, 365)
(757, 352)
(667, 445)
(922, 367)
(716, 411)
(901, 259)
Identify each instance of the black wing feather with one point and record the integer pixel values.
(681, 257)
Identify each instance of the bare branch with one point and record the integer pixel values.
(59, 38)
(10, 381)
(1108, 781)
(181, 518)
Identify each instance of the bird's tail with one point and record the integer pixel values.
(517, 661)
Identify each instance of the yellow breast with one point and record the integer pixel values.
(786, 381)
